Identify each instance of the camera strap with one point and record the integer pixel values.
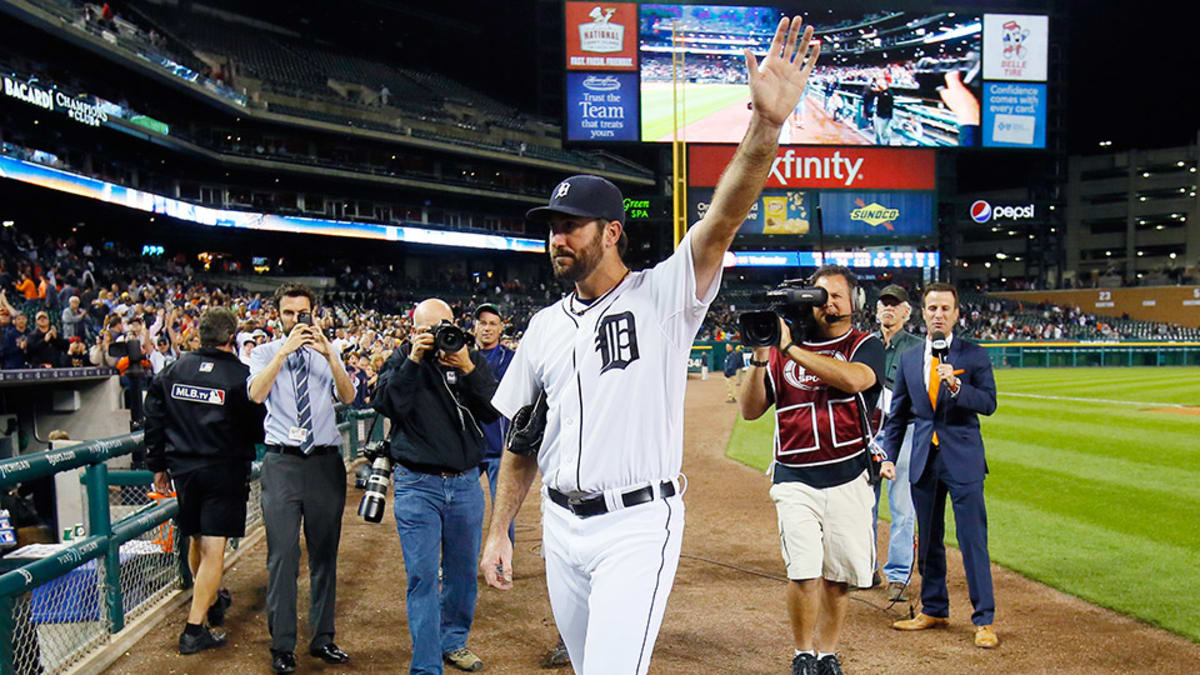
(874, 460)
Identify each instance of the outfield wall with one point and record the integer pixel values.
(1023, 354)
(1169, 304)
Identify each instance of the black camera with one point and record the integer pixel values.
(304, 318)
(132, 350)
(448, 338)
(374, 500)
(793, 301)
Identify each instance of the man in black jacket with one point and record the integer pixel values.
(201, 427)
(437, 402)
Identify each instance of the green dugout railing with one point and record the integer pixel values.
(57, 610)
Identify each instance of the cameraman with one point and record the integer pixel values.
(437, 402)
(820, 387)
(201, 427)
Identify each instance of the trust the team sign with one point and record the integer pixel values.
(601, 35)
(602, 106)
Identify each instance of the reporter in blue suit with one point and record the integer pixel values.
(947, 458)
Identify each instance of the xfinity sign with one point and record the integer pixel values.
(982, 212)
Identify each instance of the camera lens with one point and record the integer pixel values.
(449, 338)
(374, 500)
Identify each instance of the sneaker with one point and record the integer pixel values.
(804, 664)
(897, 591)
(558, 657)
(463, 659)
(216, 613)
(205, 639)
(828, 665)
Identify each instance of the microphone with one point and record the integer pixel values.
(939, 345)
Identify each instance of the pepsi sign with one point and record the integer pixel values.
(982, 212)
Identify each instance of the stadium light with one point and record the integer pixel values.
(1145, 174)
(1000, 255)
(1141, 253)
(1179, 164)
(1160, 227)
(1172, 256)
(987, 265)
(1108, 253)
(1192, 170)
(1141, 199)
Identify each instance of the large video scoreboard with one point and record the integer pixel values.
(886, 78)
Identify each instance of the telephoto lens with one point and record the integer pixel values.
(375, 498)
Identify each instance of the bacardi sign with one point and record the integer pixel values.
(820, 167)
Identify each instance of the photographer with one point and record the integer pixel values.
(303, 475)
(437, 399)
(201, 428)
(821, 387)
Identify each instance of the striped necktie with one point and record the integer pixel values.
(303, 406)
(934, 383)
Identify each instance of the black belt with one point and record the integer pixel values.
(594, 505)
(296, 452)
(431, 470)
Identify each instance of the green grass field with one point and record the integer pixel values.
(702, 101)
(1099, 498)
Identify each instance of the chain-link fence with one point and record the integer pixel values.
(58, 609)
(57, 624)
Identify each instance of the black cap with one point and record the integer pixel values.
(894, 291)
(488, 307)
(584, 196)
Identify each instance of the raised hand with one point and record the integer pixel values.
(778, 83)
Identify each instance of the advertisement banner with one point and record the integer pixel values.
(602, 106)
(1014, 115)
(601, 36)
(846, 213)
(851, 259)
(818, 167)
(85, 186)
(871, 214)
(1015, 47)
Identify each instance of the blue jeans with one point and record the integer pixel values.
(440, 521)
(904, 517)
(491, 465)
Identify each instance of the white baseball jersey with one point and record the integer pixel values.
(614, 371)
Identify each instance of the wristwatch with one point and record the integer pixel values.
(760, 364)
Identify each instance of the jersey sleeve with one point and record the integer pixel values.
(673, 284)
(520, 383)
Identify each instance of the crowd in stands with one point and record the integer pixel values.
(84, 298)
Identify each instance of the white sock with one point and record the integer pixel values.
(808, 651)
(821, 655)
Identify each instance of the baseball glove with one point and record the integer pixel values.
(528, 425)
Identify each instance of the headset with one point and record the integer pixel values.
(858, 296)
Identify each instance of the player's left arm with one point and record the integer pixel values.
(775, 89)
(977, 386)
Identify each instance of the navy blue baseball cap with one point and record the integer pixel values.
(583, 196)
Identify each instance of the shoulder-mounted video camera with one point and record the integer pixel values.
(792, 300)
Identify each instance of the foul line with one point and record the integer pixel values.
(1095, 400)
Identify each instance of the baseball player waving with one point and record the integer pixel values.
(596, 391)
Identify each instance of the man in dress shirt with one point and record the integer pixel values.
(303, 475)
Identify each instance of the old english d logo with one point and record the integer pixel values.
(616, 340)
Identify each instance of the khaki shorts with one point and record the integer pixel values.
(826, 532)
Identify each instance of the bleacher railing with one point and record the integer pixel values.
(58, 611)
